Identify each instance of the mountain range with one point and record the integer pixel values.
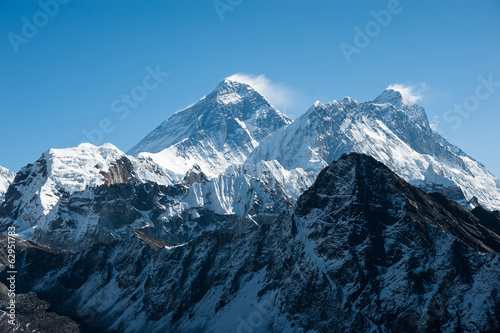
(362, 250)
(229, 216)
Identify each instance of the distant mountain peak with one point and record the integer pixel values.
(221, 129)
(393, 131)
(230, 91)
(391, 96)
(231, 81)
(348, 101)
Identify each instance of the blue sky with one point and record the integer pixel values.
(62, 78)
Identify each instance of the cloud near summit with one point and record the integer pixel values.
(277, 94)
(411, 94)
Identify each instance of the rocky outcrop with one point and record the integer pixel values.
(120, 172)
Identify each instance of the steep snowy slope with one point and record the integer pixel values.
(393, 132)
(6, 178)
(38, 187)
(290, 184)
(363, 251)
(221, 129)
(74, 198)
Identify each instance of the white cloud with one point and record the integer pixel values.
(411, 94)
(278, 95)
(435, 123)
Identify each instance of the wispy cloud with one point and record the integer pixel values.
(435, 124)
(277, 94)
(411, 94)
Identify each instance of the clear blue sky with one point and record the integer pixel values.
(63, 78)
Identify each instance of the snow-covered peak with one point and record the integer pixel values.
(403, 104)
(6, 174)
(62, 172)
(6, 178)
(391, 96)
(232, 82)
(229, 100)
(395, 133)
(229, 91)
(58, 172)
(74, 169)
(348, 101)
(77, 168)
(326, 110)
(221, 129)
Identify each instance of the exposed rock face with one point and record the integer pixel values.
(362, 250)
(120, 172)
(378, 195)
(194, 175)
(33, 316)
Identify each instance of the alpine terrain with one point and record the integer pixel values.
(222, 129)
(6, 177)
(229, 217)
(391, 130)
(362, 251)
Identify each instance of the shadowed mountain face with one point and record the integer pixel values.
(362, 250)
(359, 187)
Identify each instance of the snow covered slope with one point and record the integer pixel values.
(395, 133)
(290, 184)
(363, 251)
(38, 187)
(74, 198)
(6, 177)
(220, 130)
